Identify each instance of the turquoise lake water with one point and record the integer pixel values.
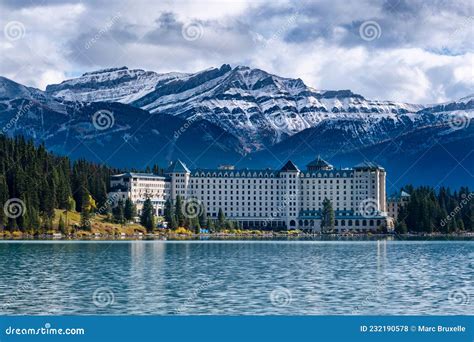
(237, 277)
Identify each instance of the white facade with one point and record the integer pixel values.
(270, 199)
(138, 187)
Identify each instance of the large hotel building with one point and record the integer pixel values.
(288, 198)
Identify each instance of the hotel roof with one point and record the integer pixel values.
(368, 165)
(138, 175)
(289, 166)
(177, 167)
(321, 166)
(319, 163)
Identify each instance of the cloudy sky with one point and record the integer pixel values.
(412, 51)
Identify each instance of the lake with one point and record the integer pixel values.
(237, 277)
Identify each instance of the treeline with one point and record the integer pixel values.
(190, 214)
(34, 182)
(430, 211)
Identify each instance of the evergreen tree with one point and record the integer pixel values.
(401, 227)
(173, 224)
(327, 216)
(101, 192)
(147, 218)
(130, 210)
(210, 225)
(229, 225)
(180, 218)
(118, 213)
(3, 200)
(196, 225)
(88, 206)
(220, 219)
(157, 170)
(203, 217)
(70, 206)
(168, 211)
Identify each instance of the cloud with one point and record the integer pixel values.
(422, 52)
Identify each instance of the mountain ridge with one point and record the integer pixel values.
(239, 115)
(261, 108)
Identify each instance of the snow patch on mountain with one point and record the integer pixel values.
(110, 85)
(259, 108)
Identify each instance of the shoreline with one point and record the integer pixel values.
(238, 237)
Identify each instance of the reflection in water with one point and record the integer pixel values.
(271, 277)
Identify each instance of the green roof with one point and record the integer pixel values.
(319, 163)
(368, 165)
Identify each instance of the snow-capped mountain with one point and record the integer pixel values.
(10, 90)
(110, 85)
(240, 116)
(260, 108)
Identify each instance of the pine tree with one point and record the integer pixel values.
(229, 225)
(173, 224)
(147, 218)
(401, 228)
(130, 210)
(180, 218)
(70, 206)
(168, 211)
(88, 205)
(327, 216)
(203, 217)
(196, 225)
(156, 170)
(210, 225)
(3, 199)
(220, 220)
(118, 212)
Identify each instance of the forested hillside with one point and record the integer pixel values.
(442, 211)
(34, 182)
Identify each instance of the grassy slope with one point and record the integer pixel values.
(98, 223)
